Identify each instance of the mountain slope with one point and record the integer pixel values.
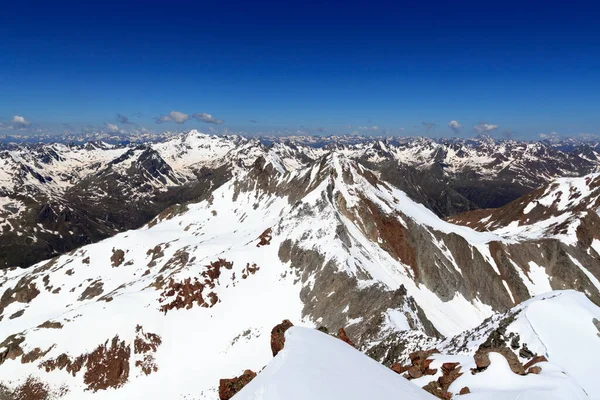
(57, 197)
(190, 297)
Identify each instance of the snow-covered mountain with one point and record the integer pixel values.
(57, 197)
(309, 235)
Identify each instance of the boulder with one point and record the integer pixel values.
(229, 387)
(278, 336)
(399, 368)
(483, 361)
(534, 370)
(344, 337)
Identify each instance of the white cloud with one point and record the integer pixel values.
(207, 118)
(174, 116)
(455, 126)
(369, 128)
(20, 121)
(112, 128)
(484, 127)
(550, 136)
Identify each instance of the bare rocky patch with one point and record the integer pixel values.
(51, 325)
(249, 270)
(105, 367)
(178, 295)
(265, 238)
(145, 345)
(179, 260)
(93, 290)
(229, 387)
(24, 292)
(155, 254)
(11, 348)
(117, 258)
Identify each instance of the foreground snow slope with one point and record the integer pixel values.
(316, 366)
(563, 326)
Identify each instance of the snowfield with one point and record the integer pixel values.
(314, 365)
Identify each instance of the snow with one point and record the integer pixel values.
(498, 382)
(398, 320)
(529, 207)
(563, 324)
(315, 366)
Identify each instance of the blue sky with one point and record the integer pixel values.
(374, 67)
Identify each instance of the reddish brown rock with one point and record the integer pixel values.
(108, 366)
(449, 366)
(446, 380)
(534, 360)
(465, 390)
(399, 368)
(265, 238)
(435, 389)
(414, 372)
(344, 337)
(419, 356)
(229, 387)
(482, 359)
(278, 336)
(536, 369)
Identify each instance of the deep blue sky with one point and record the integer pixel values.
(528, 67)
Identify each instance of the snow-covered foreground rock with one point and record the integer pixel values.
(562, 326)
(316, 366)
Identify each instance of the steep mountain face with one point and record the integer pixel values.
(167, 310)
(56, 197)
(560, 219)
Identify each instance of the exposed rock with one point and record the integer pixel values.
(95, 289)
(182, 295)
(265, 238)
(414, 372)
(448, 377)
(107, 367)
(34, 355)
(145, 342)
(24, 291)
(117, 258)
(534, 360)
(51, 325)
(399, 368)
(213, 271)
(32, 389)
(482, 359)
(12, 346)
(17, 314)
(534, 370)
(449, 367)
(278, 336)
(435, 389)
(464, 390)
(525, 352)
(344, 337)
(229, 387)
